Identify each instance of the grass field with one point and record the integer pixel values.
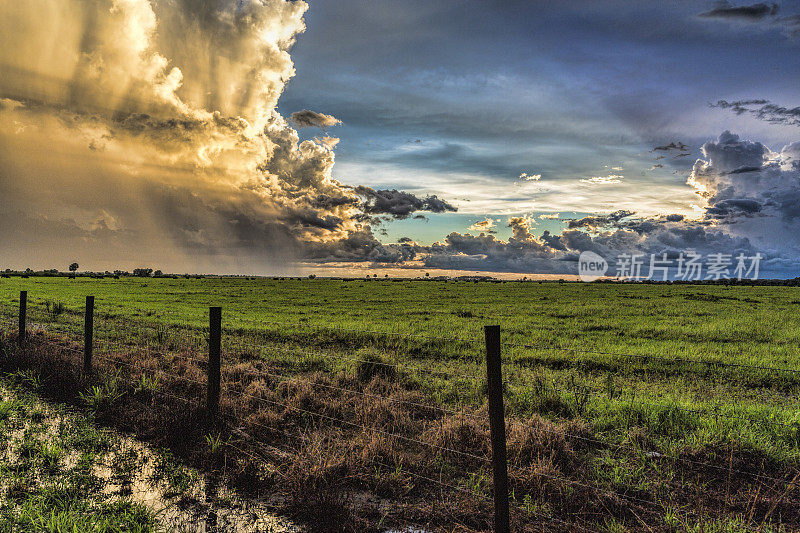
(639, 371)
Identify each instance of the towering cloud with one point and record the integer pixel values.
(143, 131)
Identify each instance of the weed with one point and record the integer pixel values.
(101, 396)
(216, 443)
(54, 308)
(146, 384)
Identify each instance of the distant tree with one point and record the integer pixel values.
(427, 274)
(73, 267)
(312, 276)
(386, 275)
(158, 273)
(142, 272)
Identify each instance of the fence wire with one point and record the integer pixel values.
(115, 338)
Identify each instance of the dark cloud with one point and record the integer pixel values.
(326, 201)
(747, 13)
(742, 170)
(763, 110)
(671, 146)
(733, 207)
(553, 241)
(398, 204)
(597, 221)
(312, 119)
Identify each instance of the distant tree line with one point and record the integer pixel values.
(72, 272)
(150, 273)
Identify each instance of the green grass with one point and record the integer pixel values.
(745, 325)
(48, 473)
(567, 348)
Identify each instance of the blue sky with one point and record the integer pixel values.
(570, 91)
(144, 134)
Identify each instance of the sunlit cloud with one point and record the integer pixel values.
(603, 180)
(530, 177)
(486, 225)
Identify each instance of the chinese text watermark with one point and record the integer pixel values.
(686, 266)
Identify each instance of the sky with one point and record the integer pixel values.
(278, 137)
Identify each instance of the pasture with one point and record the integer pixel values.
(667, 404)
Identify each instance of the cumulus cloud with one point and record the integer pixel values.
(749, 195)
(144, 131)
(312, 119)
(486, 225)
(750, 198)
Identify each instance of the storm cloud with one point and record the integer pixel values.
(148, 132)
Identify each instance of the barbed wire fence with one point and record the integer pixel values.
(154, 350)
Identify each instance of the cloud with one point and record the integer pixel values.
(549, 216)
(485, 225)
(747, 13)
(530, 177)
(596, 221)
(762, 14)
(751, 204)
(603, 180)
(312, 119)
(763, 110)
(152, 131)
(398, 204)
(679, 146)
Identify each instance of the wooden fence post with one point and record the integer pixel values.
(23, 312)
(497, 427)
(88, 335)
(214, 351)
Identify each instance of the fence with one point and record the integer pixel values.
(210, 340)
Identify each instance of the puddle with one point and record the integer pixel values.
(183, 499)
